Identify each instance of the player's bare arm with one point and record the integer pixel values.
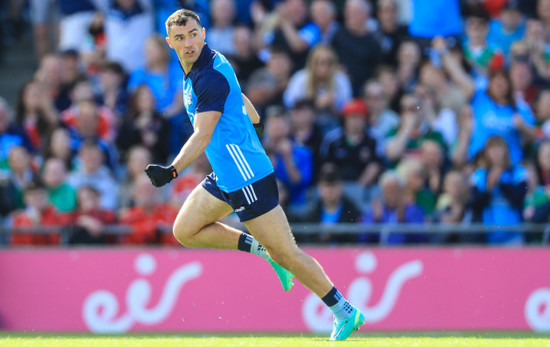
(205, 123)
(251, 110)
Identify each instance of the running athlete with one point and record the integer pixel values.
(243, 180)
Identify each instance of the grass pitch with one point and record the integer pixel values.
(501, 339)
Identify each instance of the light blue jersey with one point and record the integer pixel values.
(235, 152)
(492, 119)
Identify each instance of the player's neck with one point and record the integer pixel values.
(186, 67)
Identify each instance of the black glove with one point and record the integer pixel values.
(160, 175)
(259, 127)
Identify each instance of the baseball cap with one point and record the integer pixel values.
(355, 107)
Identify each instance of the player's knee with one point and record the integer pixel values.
(283, 256)
(184, 234)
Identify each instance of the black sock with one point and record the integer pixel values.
(245, 242)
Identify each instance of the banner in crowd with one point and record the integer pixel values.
(116, 290)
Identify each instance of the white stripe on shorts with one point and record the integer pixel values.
(246, 195)
(251, 188)
(252, 196)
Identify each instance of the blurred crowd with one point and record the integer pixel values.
(375, 112)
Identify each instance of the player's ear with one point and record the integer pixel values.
(203, 32)
(169, 42)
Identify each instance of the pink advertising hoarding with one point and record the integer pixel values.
(142, 289)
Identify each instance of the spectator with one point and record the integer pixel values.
(35, 113)
(163, 77)
(332, 206)
(49, 75)
(244, 59)
(20, 170)
(69, 66)
(498, 192)
(439, 118)
(60, 194)
(538, 203)
(221, 31)
(145, 127)
(413, 130)
(137, 158)
(509, 27)
(323, 16)
(112, 82)
(267, 85)
(543, 12)
(453, 208)
(38, 213)
(452, 205)
(58, 146)
(304, 129)
(390, 33)
(87, 125)
(522, 79)
(292, 162)
(82, 94)
(433, 160)
(128, 23)
(494, 111)
(537, 49)
(476, 49)
(10, 135)
(88, 221)
(93, 173)
(417, 191)
(381, 120)
(287, 28)
(392, 209)
(148, 218)
(351, 148)
(357, 49)
(446, 94)
(387, 77)
(321, 81)
(408, 62)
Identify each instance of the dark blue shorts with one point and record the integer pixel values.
(249, 202)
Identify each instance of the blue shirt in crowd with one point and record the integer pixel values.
(492, 119)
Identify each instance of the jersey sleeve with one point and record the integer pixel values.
(212, 89)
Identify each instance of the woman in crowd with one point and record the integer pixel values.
(144, 126)
(498, 191)
(320, 81)
(36, 113)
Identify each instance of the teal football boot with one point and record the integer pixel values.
(343, 328)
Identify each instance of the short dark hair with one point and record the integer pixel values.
(180, 18)
(35, 184)
(330, 174)
(303, 103)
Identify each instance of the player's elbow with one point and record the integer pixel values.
(203, 139)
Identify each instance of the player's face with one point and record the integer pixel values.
(187, 41)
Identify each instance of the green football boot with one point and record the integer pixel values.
(285, 276)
